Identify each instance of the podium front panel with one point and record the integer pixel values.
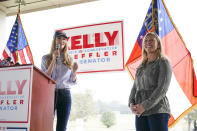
(15, 98)
(26, 99)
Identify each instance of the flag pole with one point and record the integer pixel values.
(153, 21)
(19, 6)
(20, 1)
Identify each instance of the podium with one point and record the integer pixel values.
(26, 99)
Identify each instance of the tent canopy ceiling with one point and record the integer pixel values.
(10, 7)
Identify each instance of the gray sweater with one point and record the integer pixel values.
(150, 86)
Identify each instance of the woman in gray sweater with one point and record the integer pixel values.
(148, 96)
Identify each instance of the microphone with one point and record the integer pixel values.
(57, 46)
(6, 62)
(8, 59)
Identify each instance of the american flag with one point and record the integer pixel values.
(17, 46)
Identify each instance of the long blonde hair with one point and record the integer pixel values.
(67, 59)
(159, 51)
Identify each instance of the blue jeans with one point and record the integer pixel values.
(62, 107)
(155, 122)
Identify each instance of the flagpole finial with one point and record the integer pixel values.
(20, 2)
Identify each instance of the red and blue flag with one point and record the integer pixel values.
(183, 87)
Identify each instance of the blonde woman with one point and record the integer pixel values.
(148, 96)
(58, 64)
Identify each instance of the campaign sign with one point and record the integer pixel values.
(15, 95)
(97, 47)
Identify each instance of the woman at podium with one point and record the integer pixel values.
(58, 64)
